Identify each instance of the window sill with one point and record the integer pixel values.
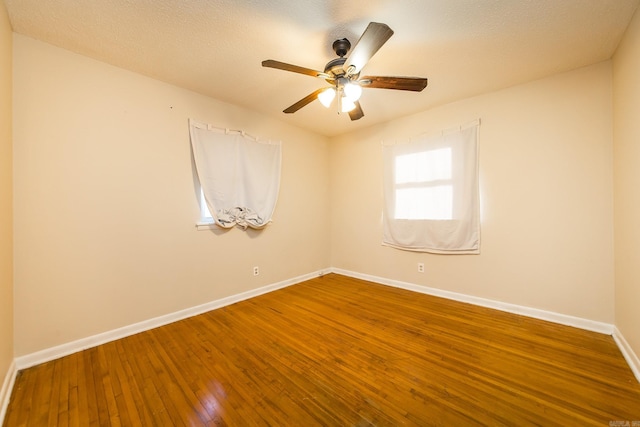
(205, 225)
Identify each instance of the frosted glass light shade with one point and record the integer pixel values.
(326, 97)
(347, 104)
(352, 91)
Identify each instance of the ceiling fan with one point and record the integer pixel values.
(343, 74)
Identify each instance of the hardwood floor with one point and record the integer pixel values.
(337, 351)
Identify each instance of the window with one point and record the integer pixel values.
(431, 199)
(424, 189)
(239, 176)
(205, 214)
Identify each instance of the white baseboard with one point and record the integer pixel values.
(630, 356)
(7, 388)
(56, 352)
(563, 319)
(75, 346)
(62, 350)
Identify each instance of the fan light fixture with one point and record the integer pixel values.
(352, 91)
(326, 97)
(346, 105)
(350, 94)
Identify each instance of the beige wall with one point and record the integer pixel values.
(546, 194)
(105, 203)
(626, 87)
(105, 207)
(6, 199)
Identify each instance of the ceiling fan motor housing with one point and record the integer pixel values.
(341, 47)
(334, 67)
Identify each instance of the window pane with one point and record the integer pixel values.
(425, 203)
(424, 166)
(204, 209)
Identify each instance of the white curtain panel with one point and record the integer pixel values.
(431, 194)
(240, 176)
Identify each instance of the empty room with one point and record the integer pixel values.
(300, 213)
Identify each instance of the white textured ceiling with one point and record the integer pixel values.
(215, 47)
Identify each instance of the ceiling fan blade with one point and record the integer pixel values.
(371, 40)
(304, 101)
(416, 84)
(357, 112)
(270, 63)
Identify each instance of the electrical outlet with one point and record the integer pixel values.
(256, 271)
(421, 267)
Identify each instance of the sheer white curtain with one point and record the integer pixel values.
(240, 176)
(431, 195)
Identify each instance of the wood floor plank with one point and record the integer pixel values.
(137, 413)
(72, 374)
(337, 351)
(65, 391)
(148, 383)
(56, 401)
